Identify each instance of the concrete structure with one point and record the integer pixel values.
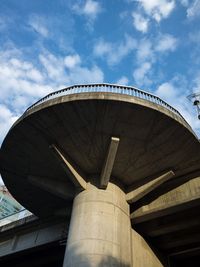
(109, 154)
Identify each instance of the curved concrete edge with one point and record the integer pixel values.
(106, 96)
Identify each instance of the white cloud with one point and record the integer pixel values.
(166, 91)
(139, 22)
(171, 93)
(25, 82)
(7, 118)
(166, 42)
(157, 9)
(35, 75)
(88, 8)
(193, 10)
(55, 68)
(123, 81)
(185, 3)
(20, 78)
(145, 51)
(91, 8)
(114, 52)
(38, 24)
(196, 83)
(85, 75)
(102, 48)
(72, 61)
(141, 74)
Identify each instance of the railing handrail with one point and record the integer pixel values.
(141, 94)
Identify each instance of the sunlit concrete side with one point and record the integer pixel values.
(185, 193)
(143, 255)
(100, 230)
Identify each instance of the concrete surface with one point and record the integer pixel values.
(99, 233)
(143, 255)
(172, 223)
(152, 140)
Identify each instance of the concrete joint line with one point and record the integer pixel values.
(99, 239)
(109, 162)
(106, 202)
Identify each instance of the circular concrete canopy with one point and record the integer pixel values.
(80, 120)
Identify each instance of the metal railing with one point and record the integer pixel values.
(111, 88)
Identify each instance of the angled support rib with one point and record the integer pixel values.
(143, 190)
(73, 174)
(55, 187)
(109, 162)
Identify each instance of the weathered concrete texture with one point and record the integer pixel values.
(172, 222)
(187, 192)
(152, 141)
(143, 190)
(143, 256)
(100, 230)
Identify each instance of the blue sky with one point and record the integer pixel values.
(46, 45)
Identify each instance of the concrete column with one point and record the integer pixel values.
(100, 229)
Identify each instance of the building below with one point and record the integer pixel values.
(8, 205)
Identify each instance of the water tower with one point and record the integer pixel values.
(93, 152)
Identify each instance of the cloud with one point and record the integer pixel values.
(38, 24)
(149, 10)
(147, 52)
(184, 3)
(20, 78)
(167, 91)
(193, 11)
(25, 82)
(157, 9)
(141, 74)
(72, 61)
(7, 118)
(90, 9)
(145, 57)
(85, 75)
(102, 48)
(170, 92)
(166, 42)
(140, 23)
(123, 81)
(114, 52)
(68, 70)
(53, 66)
(196, 83)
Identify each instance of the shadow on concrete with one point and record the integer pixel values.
(111, 261)
(75, 258)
